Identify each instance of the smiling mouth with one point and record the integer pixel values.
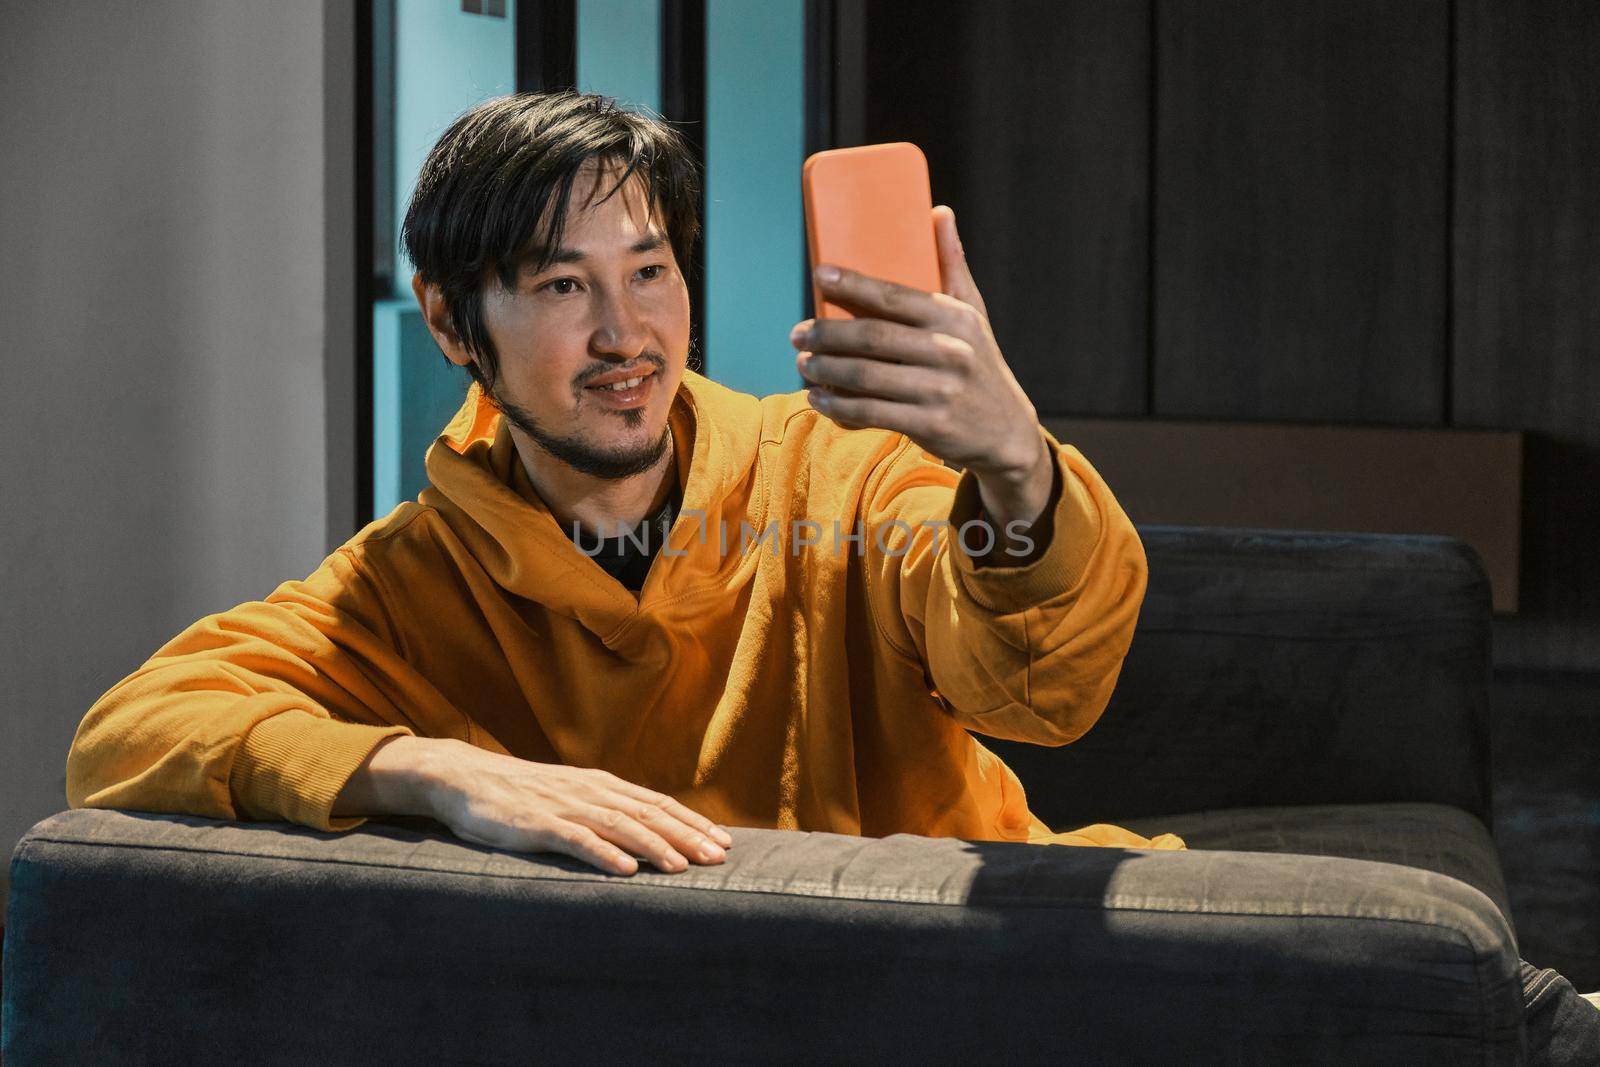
(629, 392)
(625, 384)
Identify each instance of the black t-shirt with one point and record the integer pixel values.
(627, 558)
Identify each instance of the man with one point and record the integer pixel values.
(811, 647)
(633, 605)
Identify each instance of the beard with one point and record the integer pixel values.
(582, 455)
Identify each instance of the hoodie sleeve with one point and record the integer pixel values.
(260, 712)
(1025, 652)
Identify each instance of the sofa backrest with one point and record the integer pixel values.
(1281, 668)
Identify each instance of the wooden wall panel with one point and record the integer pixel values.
(1367, 479)
(1353, 212)
(1527, 296)
(1300, 206)
(1035, 120)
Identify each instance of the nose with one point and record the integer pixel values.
(619, 329)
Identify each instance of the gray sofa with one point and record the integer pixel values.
(1308, 711)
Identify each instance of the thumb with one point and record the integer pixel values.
(955, 276)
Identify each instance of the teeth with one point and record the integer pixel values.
(617, 387)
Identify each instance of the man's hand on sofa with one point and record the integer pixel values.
(515, 804)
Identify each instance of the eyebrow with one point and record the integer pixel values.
(573, 255)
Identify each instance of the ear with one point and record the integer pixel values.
(436, 313)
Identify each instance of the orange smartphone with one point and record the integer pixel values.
(870, 209)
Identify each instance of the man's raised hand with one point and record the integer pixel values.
(927, 365)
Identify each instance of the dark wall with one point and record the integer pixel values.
(1526, 294)
(1335, 212)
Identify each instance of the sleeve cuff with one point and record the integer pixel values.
(1072, 523)
(293, 765)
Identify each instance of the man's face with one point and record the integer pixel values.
(613, 306)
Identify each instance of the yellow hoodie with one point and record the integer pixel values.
(760, 679)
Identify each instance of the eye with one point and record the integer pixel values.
(560, 281)
(657, 268)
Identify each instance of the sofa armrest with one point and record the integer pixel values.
(1274, 668)
(149, 937)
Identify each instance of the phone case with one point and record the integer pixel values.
(870, 209)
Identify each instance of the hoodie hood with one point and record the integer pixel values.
(479, 486)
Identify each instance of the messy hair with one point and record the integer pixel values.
(491, 200)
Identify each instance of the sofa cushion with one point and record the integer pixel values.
(1433, 837)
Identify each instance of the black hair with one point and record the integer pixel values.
(491, 199)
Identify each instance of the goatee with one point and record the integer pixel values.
(581, 455)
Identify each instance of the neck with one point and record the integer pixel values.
(602, 507)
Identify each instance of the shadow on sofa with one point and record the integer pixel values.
(1308, 711)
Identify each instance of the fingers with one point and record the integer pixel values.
(889, 342)
(647, 829)
(651, 827)
(846, 376)
(955, 274)
(672, 807)
(562, 836)
(610, 836)
(583, 843)
(867, 297)
(850, 375)
(624, 825)
(861, 412)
